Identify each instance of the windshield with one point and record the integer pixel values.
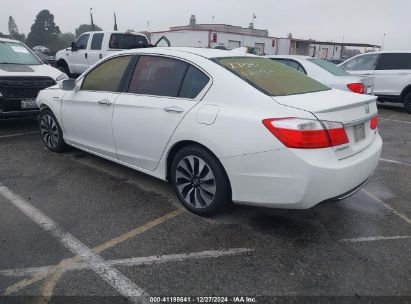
(273, 78)
(16, 53)
(330, 67)
(127, 41)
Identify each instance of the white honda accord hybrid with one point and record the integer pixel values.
(219, 126)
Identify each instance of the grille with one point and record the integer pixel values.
(23, 87)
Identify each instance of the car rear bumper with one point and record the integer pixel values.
(299, 179)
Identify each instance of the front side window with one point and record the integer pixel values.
(97, 41)
(16, 53)
(273, 78)
(127, 41)
(394, 61)
(106, 76)
(82, 41)
(361, 63)
(158, 76)
(329, 67)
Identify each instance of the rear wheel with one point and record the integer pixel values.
(407, 103)
(200, 181)
(51, 133)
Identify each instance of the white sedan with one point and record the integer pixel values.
(327, 73)
(220, 127)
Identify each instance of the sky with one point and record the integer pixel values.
(357, 21)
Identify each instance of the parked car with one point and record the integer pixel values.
(90, 47)
(22, 76)
(391, 72)
(46, 58)
(327, 73)
(219, 126)
(42, 49)
(336, 61)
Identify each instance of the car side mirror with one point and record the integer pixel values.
(74, 47)
(68, 84)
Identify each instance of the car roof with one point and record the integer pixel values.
(387, 52)
(114, 32)
(9, 40)
(300, 57)
(203, 52)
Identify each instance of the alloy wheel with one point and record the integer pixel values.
(195, 181)
(49, 131)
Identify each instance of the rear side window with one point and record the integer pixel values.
(97, 41)
(361, 63)
(158, 76)
(106, 76)
(194, 82)
(127, 41)
(394, 61)
(292, 64)
(82, 41)
(329, 67)
(270, 77)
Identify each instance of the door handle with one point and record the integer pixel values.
(85, 55)
(101, 56)
(174, 109)
(104, 102)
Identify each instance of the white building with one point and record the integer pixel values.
(218, 35)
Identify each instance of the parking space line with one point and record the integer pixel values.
(377, 199)
(113, 277)
(149, 260)
(375, 238)
(394, 162)
(395, 120)
(18, 134)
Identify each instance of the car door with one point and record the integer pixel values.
(161, 91)
(78, 58)
(87, 111)
(95, 53)
(392, 73)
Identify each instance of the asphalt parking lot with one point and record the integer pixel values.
(73, 224)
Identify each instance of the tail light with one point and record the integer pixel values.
(305, 133)
(374, 123)
(357, 87)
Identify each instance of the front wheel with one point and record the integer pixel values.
(407, 103)
(51, 133)
(200, 181)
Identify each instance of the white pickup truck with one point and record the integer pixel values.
(90, 47)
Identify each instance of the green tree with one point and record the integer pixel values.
(14, 31)
(86, 28)
(44, 30)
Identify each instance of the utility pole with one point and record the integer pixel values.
(383, 42)
(115, 22)
(91, 17)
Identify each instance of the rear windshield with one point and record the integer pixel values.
(127, 41)
(273, 78)
(330, 67)
(16, 53)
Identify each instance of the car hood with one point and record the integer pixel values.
(44, 70)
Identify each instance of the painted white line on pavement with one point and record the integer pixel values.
(378, 200)
(150, 260)
(394, 162)
(395, 120)
(113, 277)
(375, 238)
(19, 134)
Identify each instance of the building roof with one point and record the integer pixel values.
(334, 43)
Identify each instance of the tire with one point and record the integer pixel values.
(407, 103)
(51, 132)
(64, 68)
(200, 181)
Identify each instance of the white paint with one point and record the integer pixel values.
(394, 162)
(375, 238)
(113, 277)
(19, 134)
(132, 261)
(395, 120)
